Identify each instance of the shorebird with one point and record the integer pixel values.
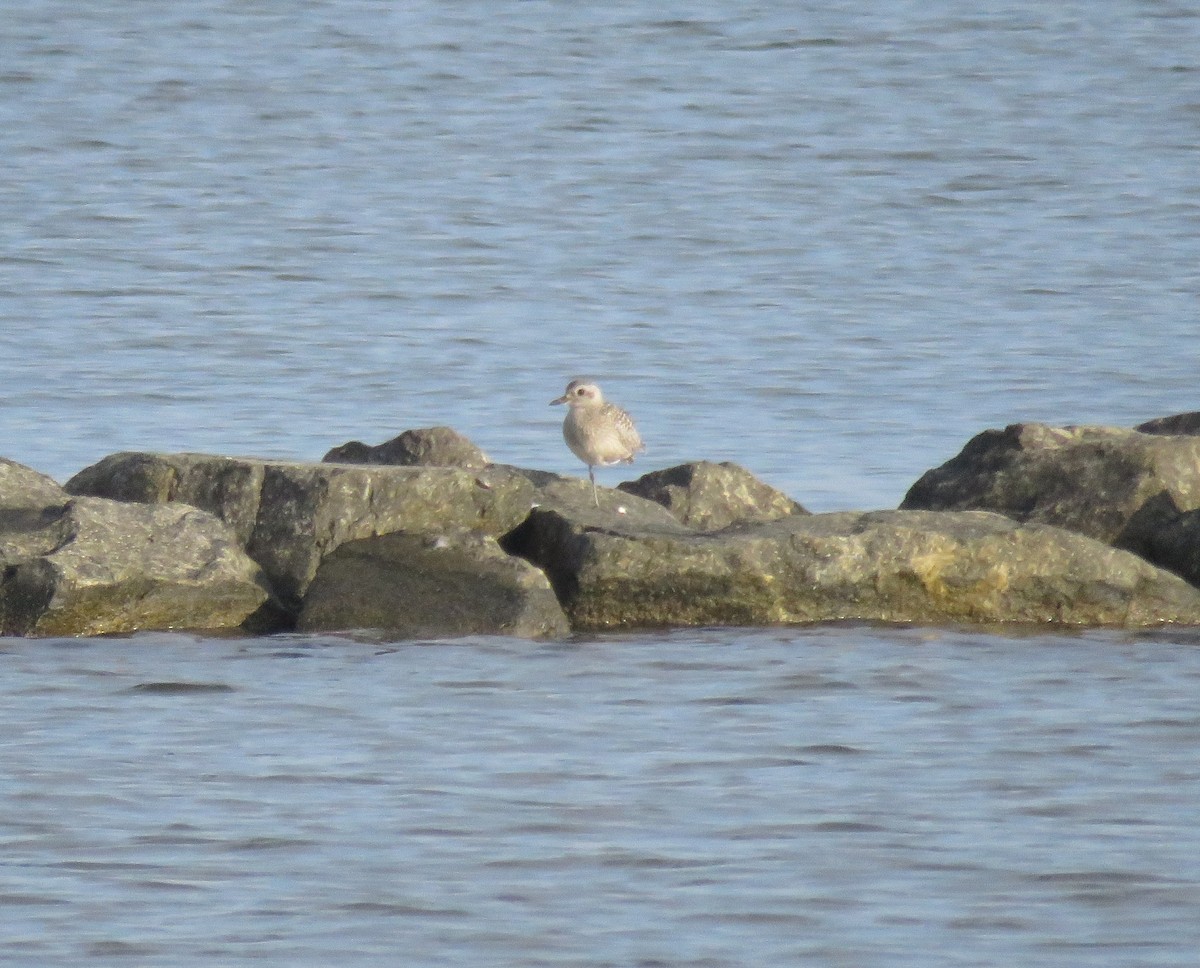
(598, 433)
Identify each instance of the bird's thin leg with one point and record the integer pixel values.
(592, 478)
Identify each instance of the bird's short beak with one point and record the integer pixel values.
(561, 399)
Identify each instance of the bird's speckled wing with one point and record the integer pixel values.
(624, 427)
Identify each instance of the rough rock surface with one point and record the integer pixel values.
(427, 447)
(23, 488)
(709, 496)
(431, 585)
(891, 566)
(228, 487)
(290, 515)
(93, 567)
(574, 495)
(1123, 487)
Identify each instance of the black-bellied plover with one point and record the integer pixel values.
(598, 433)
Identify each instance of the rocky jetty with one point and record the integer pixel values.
(423, 537)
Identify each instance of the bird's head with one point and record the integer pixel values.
(580, 393)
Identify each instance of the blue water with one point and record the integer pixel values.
(827, 241)
(829, 797)
(829, 245)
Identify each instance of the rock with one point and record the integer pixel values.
(1175, 544)
(94, 567)
(23, 488)
(1180, 423)
(892, 566)
(351, 452)
(290, 515)
(30, 503)
(228, 487)
(414, 549)
(426, 585)
(428, 447)
(1119, 486)
(709, 496)
(574, 495)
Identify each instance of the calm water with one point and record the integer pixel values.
(827, 241)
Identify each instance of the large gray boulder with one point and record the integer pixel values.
(290, 515)
(425, 447)
(1134, 490)
(92, 567)
(891, 566)
(431, 585)
(229, 487)
(709, 496)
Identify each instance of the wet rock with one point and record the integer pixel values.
(431, 585)
(709, 496)
(427, 447)
(892, 566)
(290, 515)
(93, 567)
(1120, 486)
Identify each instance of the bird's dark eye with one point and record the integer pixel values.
(581, 392)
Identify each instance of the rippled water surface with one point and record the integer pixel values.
(827, 241)
(831, 797)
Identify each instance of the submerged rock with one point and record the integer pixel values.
(427, 447)
(709, 496)
(892, 566)
(431, 585)
(1134, 490)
